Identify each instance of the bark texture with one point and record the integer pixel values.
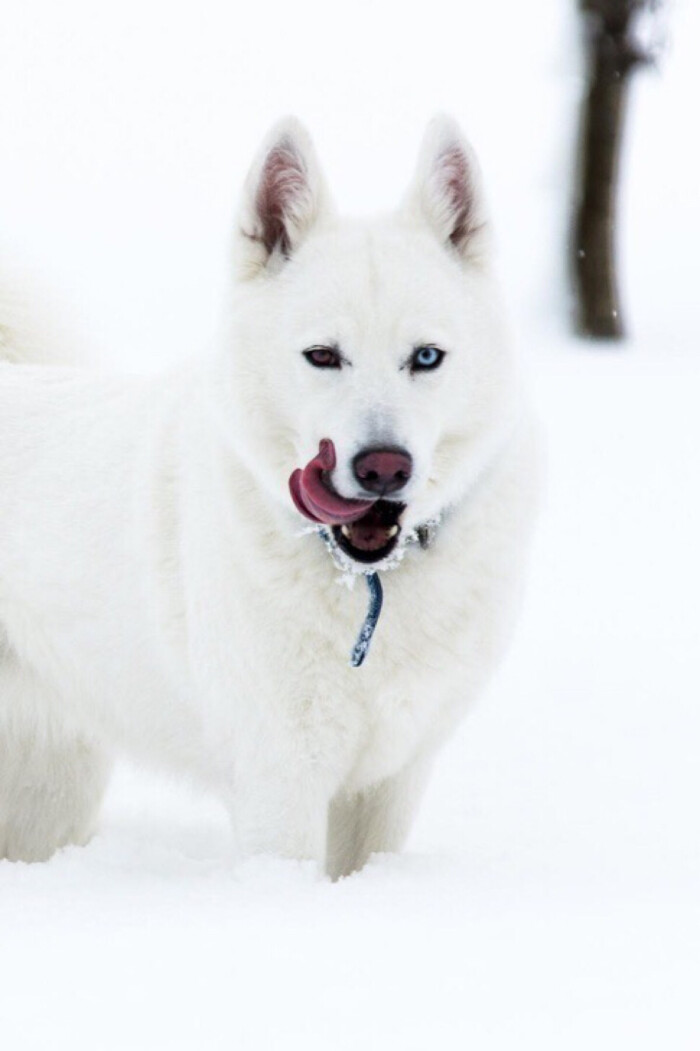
(612, 55)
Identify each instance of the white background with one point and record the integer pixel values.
(549, 897)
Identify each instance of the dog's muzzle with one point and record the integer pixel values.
(366, 530)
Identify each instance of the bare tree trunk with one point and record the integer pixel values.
(612, 55)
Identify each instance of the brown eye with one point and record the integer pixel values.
(323, 357)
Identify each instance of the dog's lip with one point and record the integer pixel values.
(315, 499)
(373, 536)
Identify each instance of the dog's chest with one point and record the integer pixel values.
(378, 715)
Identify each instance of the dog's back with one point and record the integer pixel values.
(34, 328)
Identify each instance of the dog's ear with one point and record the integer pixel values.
(284, 196)
(446, 191)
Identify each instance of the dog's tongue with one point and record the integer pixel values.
(315, 500)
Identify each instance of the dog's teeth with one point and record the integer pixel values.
(345, 531)
(393, 531)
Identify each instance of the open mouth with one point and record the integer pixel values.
(374, 536)
(364, 530)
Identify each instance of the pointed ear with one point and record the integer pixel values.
(446, 191)
(284, 196)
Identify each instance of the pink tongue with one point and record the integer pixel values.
(317, 502)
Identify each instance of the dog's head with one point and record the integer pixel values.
(367, 355)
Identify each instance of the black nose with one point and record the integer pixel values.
(382, 470)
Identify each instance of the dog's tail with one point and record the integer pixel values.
(33, 330)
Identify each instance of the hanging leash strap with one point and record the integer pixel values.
(376, 597)
(424, 535)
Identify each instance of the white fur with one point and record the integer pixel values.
(156, 596)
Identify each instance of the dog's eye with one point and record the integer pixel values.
(323, 357)
(425, 358)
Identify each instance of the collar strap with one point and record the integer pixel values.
(423, 534)
(376, 598)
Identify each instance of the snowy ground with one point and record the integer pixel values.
(550, 895)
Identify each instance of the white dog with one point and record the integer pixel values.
(167, 591)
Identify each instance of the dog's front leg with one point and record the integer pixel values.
(376, 820)
(279, 809)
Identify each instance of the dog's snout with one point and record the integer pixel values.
(382, 471)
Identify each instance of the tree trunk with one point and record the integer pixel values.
(612, 55)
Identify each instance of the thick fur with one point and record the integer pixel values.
(157, 593)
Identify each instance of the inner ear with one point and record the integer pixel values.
(446, 190)
(453, 171)
(283, 197)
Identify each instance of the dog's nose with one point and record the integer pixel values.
(382, 471)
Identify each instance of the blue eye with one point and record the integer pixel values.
(425, 358)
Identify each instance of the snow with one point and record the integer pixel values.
(549, 896)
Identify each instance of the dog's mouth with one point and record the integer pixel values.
(373, 537)
(365, 530)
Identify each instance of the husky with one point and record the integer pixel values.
(174, 548)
